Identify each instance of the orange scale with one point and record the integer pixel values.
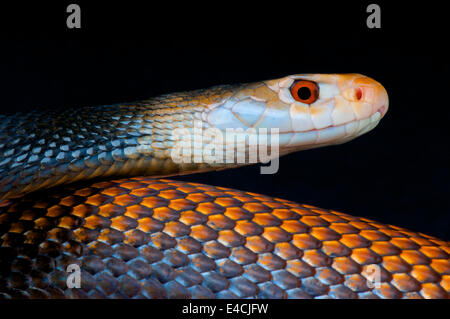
(165, 214)
(316, 258)
(271, 262)
(356, 283)
(248, 228)
(287, 251)
(111, 236)
(294, 227)
(441, 266)
(413, 257)
(83, 210)
(84, 235)
(314, 221)
(176, 229)
(266, 219)
(373, 235)
(354, 241)
(190, 217)
(445, 283)
(70, 201)
(154, 201)
(341, 228)
(238, 213)
(405, 283)
(203, 233)
(132, 185)
(256, 208)
(273, 205)
(387, 291)
(181, 204)
(384, 248)
(303, 211)
(244, 199)
(123, 223)
(56, 211)
(84, 192)
(259, 244)
(362, 225)
(111, 210)
(299, 268)
(138, 211)
(276, 235)
(227, 202)
(424, 273)
(126, 200)
(333, 218)
(95, 222)
(143, 192)
(186, 189)
(365, 256)
(390, 232)
(149, 225)
(199, 197)
(114, 191)
(159, 186)
(404, 243)
(220, 222)
(70, 222)
(434, 252)
(433, 291)
(323, 233)
(394, 264)
(214, 193)
(305, 241)
(243, 256)
(171, 194)
(335, 249)
(446, 249)
(421, 241)
(209, 208)
(230, 238)
(438, 242)
(285, 214)
(104, 184)
(189, 245)
(98, 199)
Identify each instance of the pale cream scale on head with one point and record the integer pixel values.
(310, 110)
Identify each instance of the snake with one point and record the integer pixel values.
(87, 211)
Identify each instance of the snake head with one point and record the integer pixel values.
(309, 110)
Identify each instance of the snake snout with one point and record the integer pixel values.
(367, 90)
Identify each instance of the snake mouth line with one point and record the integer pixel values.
(331, 134)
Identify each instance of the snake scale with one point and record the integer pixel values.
(74, 190)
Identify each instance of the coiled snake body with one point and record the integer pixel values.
(141, 237)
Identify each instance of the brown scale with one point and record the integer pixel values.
(150, 238)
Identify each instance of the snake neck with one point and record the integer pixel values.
(45, 149)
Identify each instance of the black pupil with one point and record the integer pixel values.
(304, 93)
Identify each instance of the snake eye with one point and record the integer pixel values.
(305, 91)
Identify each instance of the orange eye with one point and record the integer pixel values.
(305, 91)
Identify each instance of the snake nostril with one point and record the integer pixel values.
(358, 94)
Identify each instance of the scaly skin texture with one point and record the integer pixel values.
(150, 238)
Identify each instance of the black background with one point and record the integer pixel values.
(397, 174)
